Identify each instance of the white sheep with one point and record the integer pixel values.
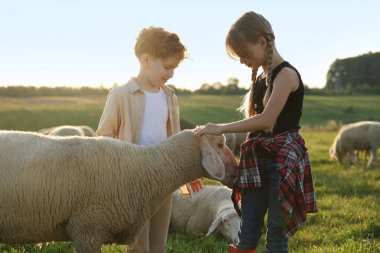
(69, 130)
(87, 130)
(96, 191)
(363, 135)
(208, 211)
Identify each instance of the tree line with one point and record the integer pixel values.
(231, 88)
(205, 89)
(355, 75)
(350, 76)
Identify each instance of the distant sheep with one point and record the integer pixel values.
(359, 136)
(88, 131)
(68, 130)
(208, 211)
(96, 191)
(234, 140)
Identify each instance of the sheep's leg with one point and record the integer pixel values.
(372, 157)
(84, 240)
(358, 154)
(352, 157)
(86, 246)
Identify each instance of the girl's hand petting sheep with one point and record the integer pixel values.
(214, 129)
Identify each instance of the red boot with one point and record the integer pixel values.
(233, 249)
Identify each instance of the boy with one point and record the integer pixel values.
(145, 111)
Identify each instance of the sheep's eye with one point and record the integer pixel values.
(220, 145)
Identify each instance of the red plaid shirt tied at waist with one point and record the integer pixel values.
(296, 189)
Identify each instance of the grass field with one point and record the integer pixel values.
(348, 197)
(33, 113)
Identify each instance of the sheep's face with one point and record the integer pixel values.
(230, 226)
(338, 156)
(222, 158)
(336, 151)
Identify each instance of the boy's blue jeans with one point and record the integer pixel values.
(255, 202)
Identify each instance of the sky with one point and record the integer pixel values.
(91, 43)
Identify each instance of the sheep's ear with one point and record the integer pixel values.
(215, 225)
(210, 159)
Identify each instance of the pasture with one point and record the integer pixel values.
(348, 196)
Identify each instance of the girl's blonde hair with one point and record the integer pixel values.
(248, 29)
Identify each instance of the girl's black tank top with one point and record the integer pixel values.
(289, 118)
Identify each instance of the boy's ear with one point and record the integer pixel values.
(144, 59)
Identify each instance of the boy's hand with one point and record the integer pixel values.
(196, 185)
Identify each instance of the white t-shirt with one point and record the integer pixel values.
(155, 118)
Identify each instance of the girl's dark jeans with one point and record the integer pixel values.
(255, 202)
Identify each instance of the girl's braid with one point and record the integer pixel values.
(269, 74)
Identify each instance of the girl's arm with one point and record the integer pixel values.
(286, 82)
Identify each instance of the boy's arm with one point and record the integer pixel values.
(110, 120)
(176, 115)
(193, 186)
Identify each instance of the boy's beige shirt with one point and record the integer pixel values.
(123, 113)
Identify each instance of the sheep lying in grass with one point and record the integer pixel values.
(68, 130)
(94, 191)
(208, 211)
(359, 136)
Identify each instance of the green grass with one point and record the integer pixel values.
(34, 113)
(39, 112)
(202, 109)
(320, 109)
(348, 197)
(348, 200)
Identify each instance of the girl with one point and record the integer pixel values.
(274, 171)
